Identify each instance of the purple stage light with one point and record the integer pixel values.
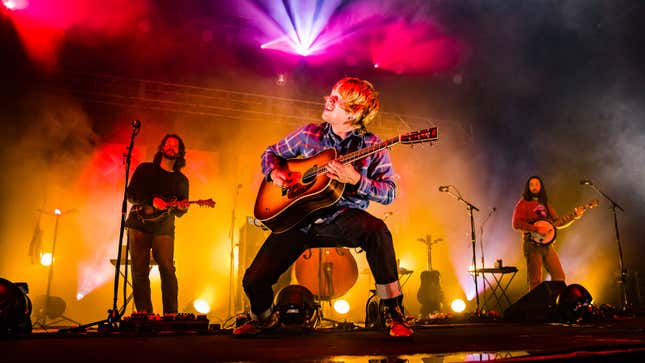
(293, 26)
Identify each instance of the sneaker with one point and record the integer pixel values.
(253, 327)
(396, 324)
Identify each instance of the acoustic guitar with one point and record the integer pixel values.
(281, 208)
(551, 234)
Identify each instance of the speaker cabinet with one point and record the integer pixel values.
(538, 305)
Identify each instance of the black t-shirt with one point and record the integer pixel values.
(148, 181)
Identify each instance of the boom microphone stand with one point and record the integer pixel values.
(114, 314)
(622, 279)
(455, 193)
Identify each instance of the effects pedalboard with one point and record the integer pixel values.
(155, 323)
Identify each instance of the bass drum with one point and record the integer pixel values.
(328, 273)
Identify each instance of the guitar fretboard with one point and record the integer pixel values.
(358, 154)
(571, 215)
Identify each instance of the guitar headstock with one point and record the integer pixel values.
(206, 202)
(420, 136)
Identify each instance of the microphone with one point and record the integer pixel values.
(444, 188)
(586, 182)
(491, 211)
(387, 214)
(135, 124)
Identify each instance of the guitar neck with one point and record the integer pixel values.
(178, 203)
(571, 215)
(362, 153)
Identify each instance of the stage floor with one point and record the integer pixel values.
(611, 341)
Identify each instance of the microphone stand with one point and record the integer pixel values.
(471, 208)
(481, 235)
(231, 235)
(114, 314)
(622, 279)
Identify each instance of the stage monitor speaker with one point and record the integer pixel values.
(538, 305)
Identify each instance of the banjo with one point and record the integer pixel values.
(551, 234)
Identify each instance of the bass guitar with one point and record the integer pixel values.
(281, 208)
(150, 214)
(551, 234)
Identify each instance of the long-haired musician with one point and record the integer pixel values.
(349, 108)
(534, 206)
(151, 222)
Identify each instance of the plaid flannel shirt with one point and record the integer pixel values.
(377, 177)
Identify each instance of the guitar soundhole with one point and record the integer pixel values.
(310, 175)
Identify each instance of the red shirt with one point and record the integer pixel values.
(528, 211)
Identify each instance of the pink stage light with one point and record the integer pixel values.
(42, 24)
(15, 4)
(420, 47)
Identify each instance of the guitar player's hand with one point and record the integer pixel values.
(281, 177)
(578, 211)
(344, 173)
(183, 205)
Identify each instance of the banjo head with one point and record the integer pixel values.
(548, 238)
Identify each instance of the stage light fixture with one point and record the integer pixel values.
(46, 259)
(574, 304)
(296, 305)
(54, 308)
(15, 4)
(302, 50)
(281, 80)
(201, 306)
(15, 309)
(341, 306)
(458, 305)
